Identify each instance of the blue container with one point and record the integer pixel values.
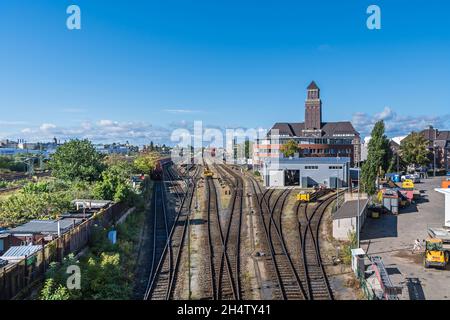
(396, 178)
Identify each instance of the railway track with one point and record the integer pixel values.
(309, 218)
(286, 279)
(9, 177)
(297, 263)
(222, 283)
(234, 224)
(163, 281)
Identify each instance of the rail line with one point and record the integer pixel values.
(234, 224)
(162, 282)
(286, 279)
(222, 283)
(309, 219)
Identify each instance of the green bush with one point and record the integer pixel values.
(107, 271)
(347, 249)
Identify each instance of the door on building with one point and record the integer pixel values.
(291, 178)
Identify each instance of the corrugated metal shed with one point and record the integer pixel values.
(18, 252)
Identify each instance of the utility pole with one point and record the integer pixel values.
(337, 181)
(357, 214)
(398, 162)
(434, 153)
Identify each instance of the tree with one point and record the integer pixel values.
(247, 149)
(114, 184)
(289, 148)
(377, 158)
(77, 160)
(414, 149)
(146, 162)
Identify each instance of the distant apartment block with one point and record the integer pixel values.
(439, 146)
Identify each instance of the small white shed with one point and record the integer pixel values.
(344, 219)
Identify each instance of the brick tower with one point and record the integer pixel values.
(313, 108)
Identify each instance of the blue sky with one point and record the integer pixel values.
(138, 69)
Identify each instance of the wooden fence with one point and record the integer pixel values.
(17, 279)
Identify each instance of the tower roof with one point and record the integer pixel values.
(312, 86)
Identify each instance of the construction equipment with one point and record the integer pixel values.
(435, 254)
(408, 184)
(303, 196)
(208, 173)
(445, 184)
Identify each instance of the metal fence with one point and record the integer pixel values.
(18, 278)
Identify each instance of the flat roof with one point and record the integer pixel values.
(91, 203)
(443, 190)
(349, 208)
(45, 226)
(20, 251)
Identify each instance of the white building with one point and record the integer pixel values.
(345, 221)
(306, 172)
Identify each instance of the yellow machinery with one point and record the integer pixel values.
(408, 184)
(435, 254)
(207, 173)
(303, 197)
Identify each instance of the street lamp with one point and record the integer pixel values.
(337, 181)
(434, 159)
(434, 153)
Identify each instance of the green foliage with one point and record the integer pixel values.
(77, 160)
(54, 291)
(289, 148)
(24, 206)
(146, 162)
(11, 164)
(414, 149)
(247, 149)
(115, 183)
(393, 163)
(41, 200)
(36, 187)
(347, 249)
(107, 271)
(56, 279)
(378, 158)
(3, 184)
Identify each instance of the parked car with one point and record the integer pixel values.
(413, 177)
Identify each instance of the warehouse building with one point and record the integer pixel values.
(306, 172)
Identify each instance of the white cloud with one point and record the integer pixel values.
(107, 131)
(102, 131)
(47, 126)
(397, 125)
(106, 123)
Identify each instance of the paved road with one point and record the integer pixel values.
(392, 238)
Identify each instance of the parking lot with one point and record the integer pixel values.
(392, 237)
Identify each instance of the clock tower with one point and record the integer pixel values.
(313, 108)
